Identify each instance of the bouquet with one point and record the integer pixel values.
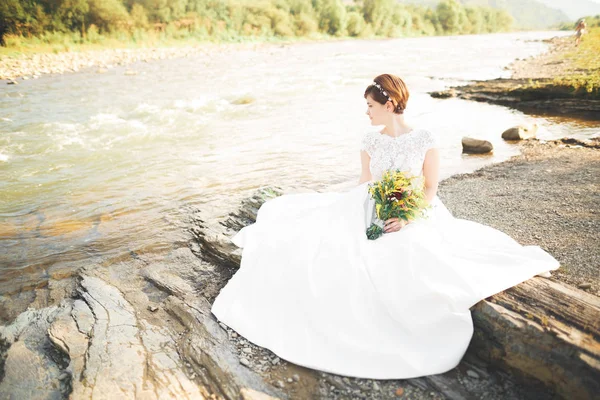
(396, 195)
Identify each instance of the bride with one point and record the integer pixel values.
(314, 290)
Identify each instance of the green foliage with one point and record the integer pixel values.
(108, 15)
(139, 16)
(138, 20)
(331, 15)
(374, 231)
(451, 16)
(355, 24)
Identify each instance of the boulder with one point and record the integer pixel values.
(476, 146)
(520, 132)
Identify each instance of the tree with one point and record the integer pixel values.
(475, 20)
(355, 24)
(377, 13)
(108, 15)
(21, 16)
(331, 15)
(11, 13)
(450, 15)
(67, 15)
(139, 16)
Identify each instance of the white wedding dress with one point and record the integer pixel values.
(314, 290)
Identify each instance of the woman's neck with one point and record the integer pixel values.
(396, 126)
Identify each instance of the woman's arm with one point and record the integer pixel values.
(431, 172)
(365, 161)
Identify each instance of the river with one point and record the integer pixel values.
(95, 167)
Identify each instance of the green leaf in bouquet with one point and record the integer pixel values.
(374, 232)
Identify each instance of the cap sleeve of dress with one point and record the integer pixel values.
(368, 143)
(429, 140)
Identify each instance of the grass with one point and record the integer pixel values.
(19, 46)
(585, 63)
(581, 77)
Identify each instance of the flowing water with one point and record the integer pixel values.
(97, 167)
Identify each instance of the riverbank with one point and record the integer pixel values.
(33, 65)
(563, 81)
(547, 196)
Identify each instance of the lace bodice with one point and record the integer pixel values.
(405, 152)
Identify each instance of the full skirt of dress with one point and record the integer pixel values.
(315, 291)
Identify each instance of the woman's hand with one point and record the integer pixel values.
(394, 225)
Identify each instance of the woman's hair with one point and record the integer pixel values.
(395, 89)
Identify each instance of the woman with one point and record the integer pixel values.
(579, 31)
(314, 290)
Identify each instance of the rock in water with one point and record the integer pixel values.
(520, 132)
(476, 146)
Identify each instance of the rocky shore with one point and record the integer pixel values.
(23, 67)
(532, 88)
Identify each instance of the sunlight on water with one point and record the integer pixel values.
(98, 166)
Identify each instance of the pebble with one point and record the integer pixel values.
(152, 308)
(233, 334)
(584, 285)
(247, 350)
(290, 380)
(399, 391)
(280, 384)
(376, 387)
(63, 376)
(245, 362)
(473, 374)
(296, 377)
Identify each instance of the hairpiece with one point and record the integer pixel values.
(383, 92)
